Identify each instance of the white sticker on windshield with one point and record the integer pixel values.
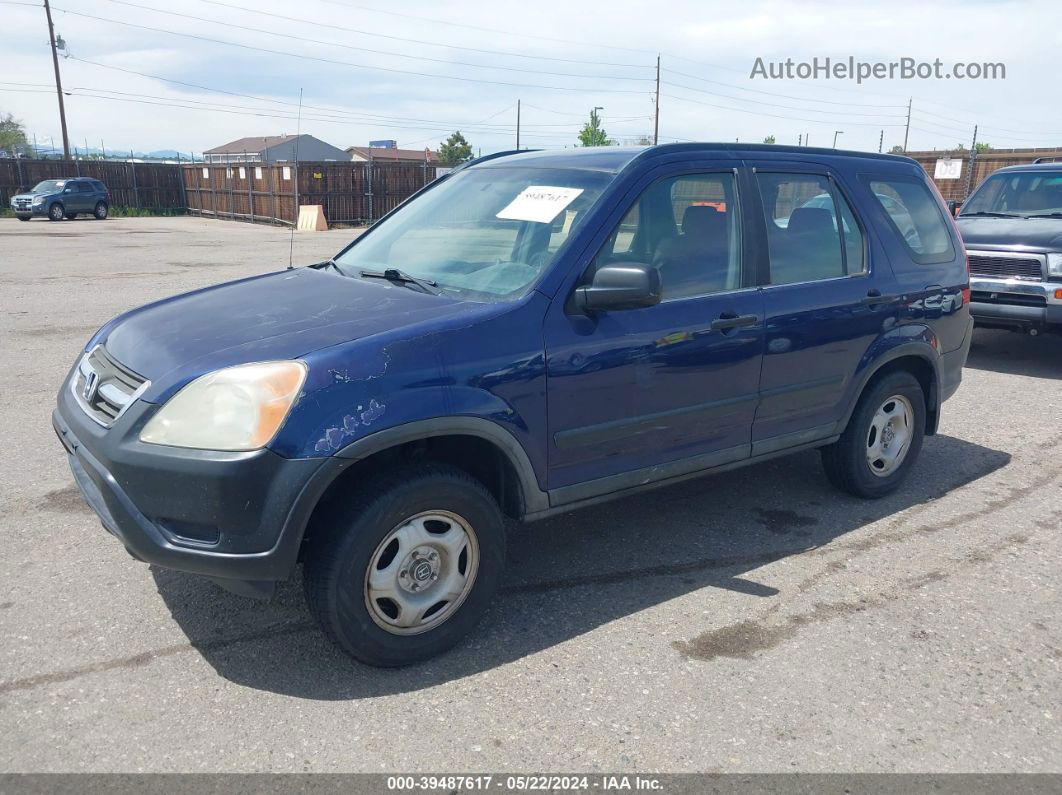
(539, 203)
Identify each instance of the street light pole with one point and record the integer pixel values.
(58, 80)
(835, 134)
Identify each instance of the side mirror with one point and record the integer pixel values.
(628, 285)
(68, 190)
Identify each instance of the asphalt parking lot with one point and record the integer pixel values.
(753, 621)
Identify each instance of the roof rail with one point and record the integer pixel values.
(1051, 159)
(485, 158)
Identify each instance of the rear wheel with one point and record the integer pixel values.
(56, 212)
(405, 569)
(883, 438)
(100, 212)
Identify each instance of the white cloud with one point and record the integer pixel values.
(714, 41)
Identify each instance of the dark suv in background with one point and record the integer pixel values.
(56, 199)
(1012, 229)
(534, 332)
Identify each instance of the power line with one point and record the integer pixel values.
(505, 53)
(579, 89)
(776, 94)
(775, 115)
(845, 114)
(346, 46)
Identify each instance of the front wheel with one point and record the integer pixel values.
(882, 440)
(56, 212)
(100, 212)
(406, 567)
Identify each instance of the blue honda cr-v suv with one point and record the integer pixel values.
(532, 333)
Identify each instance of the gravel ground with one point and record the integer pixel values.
(753, 621)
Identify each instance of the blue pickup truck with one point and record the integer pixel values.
(533, 333)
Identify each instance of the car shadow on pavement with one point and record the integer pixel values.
(574, 573)
(1016, 354)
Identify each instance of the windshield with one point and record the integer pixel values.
(1026, 194)
(49, 186)
(484, 233)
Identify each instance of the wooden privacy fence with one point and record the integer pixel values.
(960, 182)
(154, 186)
(350, 192)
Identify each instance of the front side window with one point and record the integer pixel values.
(916, 216)
(1029, 193)
(484, 233)
(688, 228)
(805, 241)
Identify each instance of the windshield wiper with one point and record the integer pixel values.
(401, 277)
(987, 214)
(1045, 215)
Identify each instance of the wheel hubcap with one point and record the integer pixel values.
(889, 436)
(421, 572)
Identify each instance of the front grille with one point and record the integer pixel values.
(1006, 267)
(104, 386)
(23, 204)
(1014, 299)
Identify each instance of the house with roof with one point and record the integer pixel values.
(388, 152)
(274, 149)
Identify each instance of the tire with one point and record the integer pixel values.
(400, 518)
(857, 463)
(100, 211)
(56, 212)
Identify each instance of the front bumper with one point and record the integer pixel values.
(237, 518)
(28, 212)
(1015, 302)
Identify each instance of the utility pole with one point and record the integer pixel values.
(970, 168)
(907, 128)
(656, 118)
(835, 134)
(800, 139)
(58, 81)
(517, 125)
(881, 141)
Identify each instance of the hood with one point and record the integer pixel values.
(1032, 234)
(31, 193)
(277, 316)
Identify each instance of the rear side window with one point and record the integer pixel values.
(915, 215)
(805, 240)
(85, 187)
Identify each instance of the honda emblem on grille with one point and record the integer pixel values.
(91, 387)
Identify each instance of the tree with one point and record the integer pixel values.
(896, 150)
(769, 139)
(12, 134)
(593, 134)
(455, 150)
(981, 148)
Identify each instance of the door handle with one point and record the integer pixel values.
(874, 297)
(729, 320)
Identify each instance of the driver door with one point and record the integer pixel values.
(644, 394)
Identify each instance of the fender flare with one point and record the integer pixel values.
(532, 497)
(923, 351)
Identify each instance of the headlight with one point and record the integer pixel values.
(238, 408)
(1054, 264)
(38, 200)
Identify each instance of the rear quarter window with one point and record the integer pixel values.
(915, 216)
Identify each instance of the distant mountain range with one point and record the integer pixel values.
(158, 154)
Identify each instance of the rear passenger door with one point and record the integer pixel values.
(826, 300)
(86, 196)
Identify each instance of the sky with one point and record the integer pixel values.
(189, 75)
